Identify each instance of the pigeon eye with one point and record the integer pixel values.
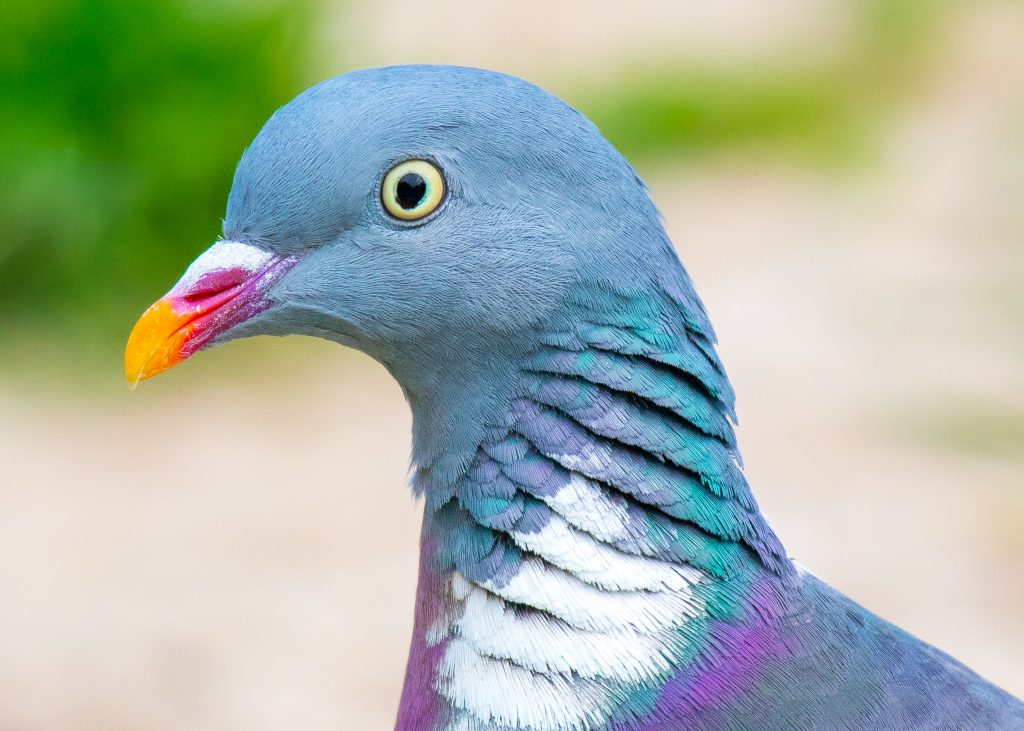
(412, 189)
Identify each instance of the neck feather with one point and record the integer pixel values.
(585, 559)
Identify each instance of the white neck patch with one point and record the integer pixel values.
(580, 620)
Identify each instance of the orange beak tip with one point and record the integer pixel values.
(155, 342)
(203, 304)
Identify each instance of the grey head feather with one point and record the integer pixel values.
(543, 218)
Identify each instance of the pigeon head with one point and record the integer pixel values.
(437, 218)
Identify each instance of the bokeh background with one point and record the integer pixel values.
(232, 545)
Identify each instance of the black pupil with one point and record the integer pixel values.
(411, 190)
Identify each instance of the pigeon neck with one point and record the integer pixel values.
(594, 544)
(457, 403)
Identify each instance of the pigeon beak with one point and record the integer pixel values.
(226, 285)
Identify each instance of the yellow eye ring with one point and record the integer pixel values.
(412, 190)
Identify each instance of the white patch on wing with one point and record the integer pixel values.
(600, 564)
(588, 507)
(553, 647)
(581, 605)
(592, 458)
(501, 692)
(531, 639)
(460, 587)
(221, 256)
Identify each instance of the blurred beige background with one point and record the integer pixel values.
(232, 546)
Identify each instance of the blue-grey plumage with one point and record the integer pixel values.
(592, 555)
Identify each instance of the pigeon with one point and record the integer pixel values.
(592, 557)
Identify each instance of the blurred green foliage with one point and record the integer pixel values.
(121, 126)
(818, 112)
